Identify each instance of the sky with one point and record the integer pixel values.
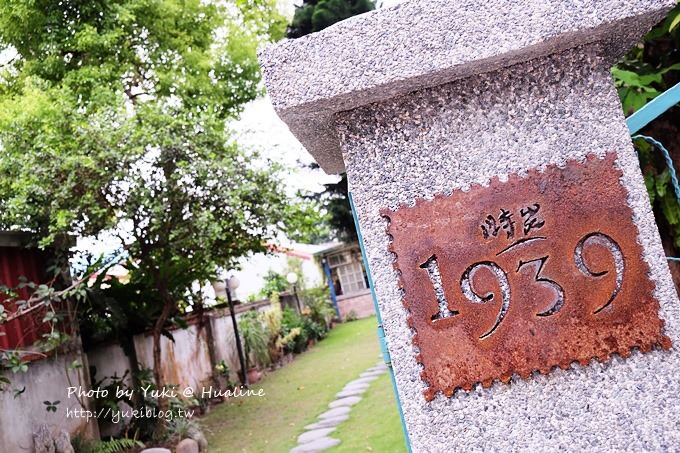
(259, 128)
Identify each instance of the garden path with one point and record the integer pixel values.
(317, 438)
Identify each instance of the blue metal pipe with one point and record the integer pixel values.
(381, 331)
(331, 285)
(653, 109)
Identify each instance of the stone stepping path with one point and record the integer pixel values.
(316, 437)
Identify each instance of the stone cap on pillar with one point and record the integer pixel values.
(421, 44)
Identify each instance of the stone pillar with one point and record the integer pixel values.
(516, 262)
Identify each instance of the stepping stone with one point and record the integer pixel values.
(315, 434)
(328, 422)
(334, 412)
(356, 383)
(371, 373)
(366, 380)
(187, 446)
(346, 393)
(351, 389)
(342, 402)
(317, 445)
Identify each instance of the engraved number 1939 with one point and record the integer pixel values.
(552, 307)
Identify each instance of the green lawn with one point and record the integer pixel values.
(299, 392)
(374, 423)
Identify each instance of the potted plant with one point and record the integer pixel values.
(255, 343)
(318, 307)
(272, 319)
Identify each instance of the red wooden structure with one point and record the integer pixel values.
(17, 261)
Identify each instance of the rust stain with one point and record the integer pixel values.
(524, 275)
(170, 366)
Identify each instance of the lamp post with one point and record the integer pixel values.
(292, 279)
(232, 284)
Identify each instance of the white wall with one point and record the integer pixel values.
(186, 362)
(46, 380)
(251, 276)
(107, 361)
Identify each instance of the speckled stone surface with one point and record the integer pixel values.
(424, 43)
(541, 112)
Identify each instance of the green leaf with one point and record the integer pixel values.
(675, 22)
(662, 182)
(650, 185)
(671, 209)
(50, 316)
(633, 79)
(19, 368)
(633, 100)
(674, 67)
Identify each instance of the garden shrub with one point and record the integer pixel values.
(292, 320)
(255, 339)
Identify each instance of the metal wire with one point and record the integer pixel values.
(669, 162)
(671, 169)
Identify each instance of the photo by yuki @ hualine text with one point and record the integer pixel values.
(152, 392)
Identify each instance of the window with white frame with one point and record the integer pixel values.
(352, 277)
(348, 268)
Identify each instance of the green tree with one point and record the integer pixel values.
(112, 118)
(273, 283)
(335, 201)
(312, 16)
(315, 15)
(652, 66)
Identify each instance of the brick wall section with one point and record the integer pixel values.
(361, 303)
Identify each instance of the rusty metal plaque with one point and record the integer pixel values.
(524, 275)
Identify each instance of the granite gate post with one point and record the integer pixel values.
(518, 270)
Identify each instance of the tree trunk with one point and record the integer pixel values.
(128, 344)
(168, 306)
